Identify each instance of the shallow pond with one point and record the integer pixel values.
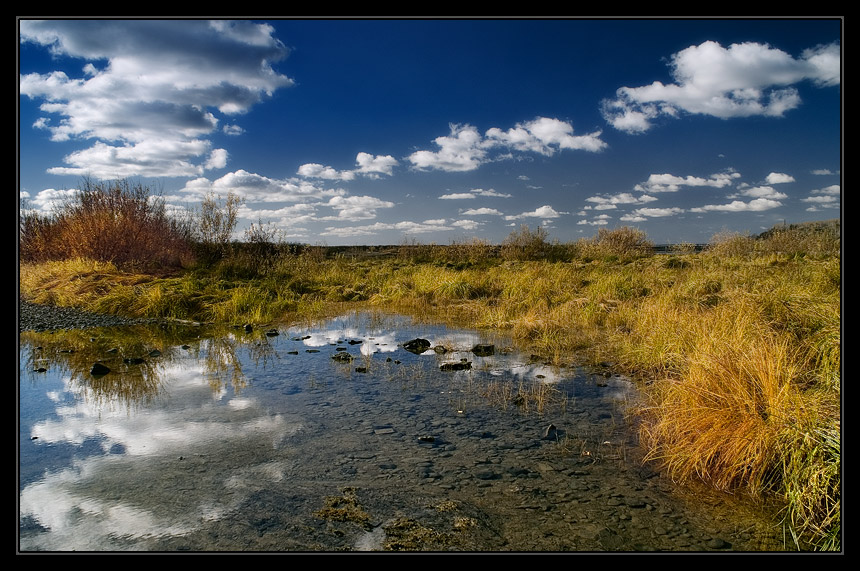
(334, 436)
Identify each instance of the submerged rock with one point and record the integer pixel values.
(99, 370)
(461, 366)
(417, 346)
(484, 349)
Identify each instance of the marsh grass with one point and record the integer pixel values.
(737, 348)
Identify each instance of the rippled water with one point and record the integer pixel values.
(266, 441)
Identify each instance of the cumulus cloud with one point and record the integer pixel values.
(257, 188)
(742, 80)
(465, 149)
(481, 212)
(658, 212)
(406, 227)
(827, 197)
(779, 178)
(357, 207)
(149, 90)
(544, 211)
(761, 192)
(610, 202)
(672, 183)
(755, 205)
(366, 164)
(600, 220)
(49, 199)
(474, 193)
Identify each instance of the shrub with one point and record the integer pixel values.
(117, 222)
(622, 244)
(216, 222)
(525, 244)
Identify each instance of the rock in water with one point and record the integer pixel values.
(99, 370)
(484, 349)
(417, 346)
(461, 366)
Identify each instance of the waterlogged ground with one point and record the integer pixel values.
(264, 440)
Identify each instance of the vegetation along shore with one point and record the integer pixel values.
(736, 347)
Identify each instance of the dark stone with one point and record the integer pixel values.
(342, 357)
(417, 346)
(484, 349)
(155, 353)
(133, 360)
(272, 333)
(99, 370)
(461, 366)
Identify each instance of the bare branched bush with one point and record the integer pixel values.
(119, 222)
(623, 244)
(216, 222)
(526, 244)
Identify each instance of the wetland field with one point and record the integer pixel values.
(185, 392)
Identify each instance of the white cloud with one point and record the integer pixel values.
(257, 188)
(658, 212)
(672, 183)
(457, 196)
(761, 192)
(375, 165)
(544, 135)
(756, 205)
(405, 227)
(149, 90)
(832, 189)
(368, 165)
(739, 81)
(778, 178)
(49, 199)
(316, 170)
(827, 197)
(474, 193)
(544, 211)
(610, 202)
(600, 220)
(466, 224)
(460, 151)
(464, 149)
(357, 207)
(481, 212)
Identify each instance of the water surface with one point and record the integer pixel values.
(271, 440)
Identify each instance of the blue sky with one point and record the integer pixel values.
(363, 131)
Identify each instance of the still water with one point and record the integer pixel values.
(342, 435)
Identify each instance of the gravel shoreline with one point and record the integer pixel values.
(38, 317)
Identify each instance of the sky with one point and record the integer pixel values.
(392, 131)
